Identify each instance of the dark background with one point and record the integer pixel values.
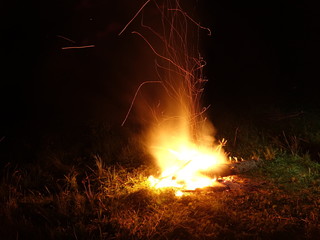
(264, 52)
(261, 55)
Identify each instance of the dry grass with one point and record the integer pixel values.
(109, 197)
(277, 199)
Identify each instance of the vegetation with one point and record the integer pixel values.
(102, 192)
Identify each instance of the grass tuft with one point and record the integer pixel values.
(96, 199)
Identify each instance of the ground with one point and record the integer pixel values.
(102, 192)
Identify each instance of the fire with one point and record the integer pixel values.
(184, 164)
(180, 137)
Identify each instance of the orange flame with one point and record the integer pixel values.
(180, 139)
(184, 164)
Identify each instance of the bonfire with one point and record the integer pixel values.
(181, 137)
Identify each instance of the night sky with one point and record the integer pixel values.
(261, 53)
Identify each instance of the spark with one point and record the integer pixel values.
(142, 7)
(134, 98)
(78, 47)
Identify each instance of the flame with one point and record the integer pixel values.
(180, 138)
(185, 164)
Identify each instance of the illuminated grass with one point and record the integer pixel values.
(103, 201)
(105, 194)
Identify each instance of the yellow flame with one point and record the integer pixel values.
(185, 164)
(180, 139)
